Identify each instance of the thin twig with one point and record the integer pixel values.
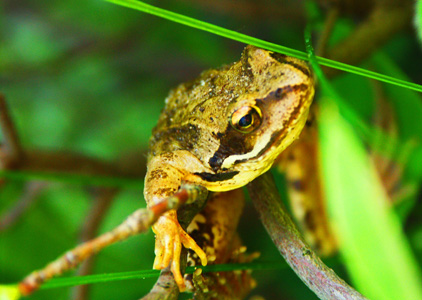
(301, 258)
(330, 22)
(138, 222)
(376, 30)
(11, 140)
(103, 199)
(28, 198)
(165, 288)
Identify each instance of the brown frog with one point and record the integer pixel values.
(220, 131)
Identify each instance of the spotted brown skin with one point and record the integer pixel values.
(215, 231)
(196, 140)
(300, 164)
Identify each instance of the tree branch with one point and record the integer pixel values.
(301, 258)
(138, 222)
(384, 21)
(11, 140)
(32, 190)
(103, 199)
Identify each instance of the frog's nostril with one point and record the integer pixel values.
(278, 93)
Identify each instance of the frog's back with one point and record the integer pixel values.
(191, 117)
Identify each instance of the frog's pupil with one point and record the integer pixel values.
(245, 121)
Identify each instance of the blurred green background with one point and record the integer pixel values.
(91, 77)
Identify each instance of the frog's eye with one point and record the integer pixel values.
(246, 119)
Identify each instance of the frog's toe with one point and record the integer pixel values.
(164, 247)
(159, 253)
(175, 264)
(169, 238)
(189, 242)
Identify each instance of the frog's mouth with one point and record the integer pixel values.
(218, 176)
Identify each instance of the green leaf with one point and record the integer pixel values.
(374, 248)
(407, 104)
(9, 292)
(418, 19)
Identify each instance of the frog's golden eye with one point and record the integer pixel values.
(246, 119)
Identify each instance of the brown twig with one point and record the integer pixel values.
(28, 198)
(301, 258)
(11, 140)
(59, 161)
(384, 21)
(165, 288)
(103, 199)
(138, 222)
(247, 8)
(324, 38)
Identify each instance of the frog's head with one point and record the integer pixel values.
(266, 118)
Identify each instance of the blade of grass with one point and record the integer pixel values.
(9, 292)
(376, 253)
(407, 107)
(418, 19)
(407, 104)
(194, 23)
(74, 178)
(98, 278)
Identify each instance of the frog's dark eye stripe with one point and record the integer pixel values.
(301, 66)
(278, 93)
(246, 119)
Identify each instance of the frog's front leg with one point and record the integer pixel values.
(164, 178)
(169, 238)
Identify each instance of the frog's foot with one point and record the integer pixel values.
(169, 238)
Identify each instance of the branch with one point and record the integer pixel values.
(301, 258)
(138, 222)
(384, 21)
(103, 199)
(32, 190)
(11, 140)
(328, 28)
(165, 288)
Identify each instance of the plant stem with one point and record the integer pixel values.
(322, 280)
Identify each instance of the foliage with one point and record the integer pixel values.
(90, 77)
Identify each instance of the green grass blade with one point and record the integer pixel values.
(407, 107)
(375, 250)
(376, 253)
(9, 292)
(73, 178)
(418, 19)
(98, 278)
(178, 18)
(407, 104)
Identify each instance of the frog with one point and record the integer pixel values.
(214, 229)
(220, 131)
(215, 134)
